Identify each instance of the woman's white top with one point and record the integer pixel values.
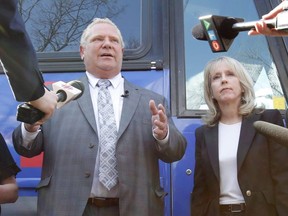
(230, 192)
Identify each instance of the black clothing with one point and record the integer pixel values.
(18, 55)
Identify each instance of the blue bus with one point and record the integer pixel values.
(161, 54)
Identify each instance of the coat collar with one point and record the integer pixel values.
(211, 140)
(85, 104)
(130, 104)
(246, 138)
(247, 134)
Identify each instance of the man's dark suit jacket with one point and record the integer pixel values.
(262, 170)
(18, 55)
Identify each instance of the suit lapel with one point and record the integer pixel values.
(211, 137)
(130, 104)
(246, 138)
(85, 104)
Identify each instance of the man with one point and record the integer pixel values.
(262, 28)
(74, 180)
(19, 60)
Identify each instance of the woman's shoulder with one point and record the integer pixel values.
(268, 112)
(269, 115)
(203, 128)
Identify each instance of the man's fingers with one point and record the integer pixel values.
(153, 107)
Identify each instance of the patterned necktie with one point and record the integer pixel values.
(108, 135)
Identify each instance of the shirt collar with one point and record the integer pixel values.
(115, 81)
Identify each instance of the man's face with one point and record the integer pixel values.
(103, 52)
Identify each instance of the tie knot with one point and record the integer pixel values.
(104, 83)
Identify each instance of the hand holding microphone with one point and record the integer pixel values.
(46, 103)
(220, 31)
(279, 14)
(65, 92)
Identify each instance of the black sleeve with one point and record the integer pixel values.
(17, 54)
(8, 167)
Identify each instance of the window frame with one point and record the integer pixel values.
(178, 101)
(132, 58)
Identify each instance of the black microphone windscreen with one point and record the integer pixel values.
(274, 132)
(198, 33)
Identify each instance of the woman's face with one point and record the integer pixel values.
(225, 85)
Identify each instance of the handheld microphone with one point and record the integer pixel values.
(274, 132)
(280, 22)
(126, 94)
(65, 92)
(217, 30)
(220, 31)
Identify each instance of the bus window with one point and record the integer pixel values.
(55, 28)
(252, 52)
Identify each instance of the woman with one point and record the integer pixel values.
(238, 171)
(8, 171)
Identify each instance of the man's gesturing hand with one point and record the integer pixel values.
(159, 120)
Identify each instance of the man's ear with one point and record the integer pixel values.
(82, 50)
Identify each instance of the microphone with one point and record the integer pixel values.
(217, 30)
(126, 94)
(277, 133)
(199, 33)
(65, 92)
(213, 26)
(246, 26)
(220, 31)
(280, 22)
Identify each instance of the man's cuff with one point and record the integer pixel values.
(28, 137)
(163, 142)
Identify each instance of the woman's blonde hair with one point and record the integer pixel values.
(248, 96)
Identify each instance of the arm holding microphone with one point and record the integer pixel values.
(261, 27)
(20, 63)
(65, 92)
(46, 104)
(220, 31)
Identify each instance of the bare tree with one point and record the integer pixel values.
(57, 25)
(26, 11)
(256, 60)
